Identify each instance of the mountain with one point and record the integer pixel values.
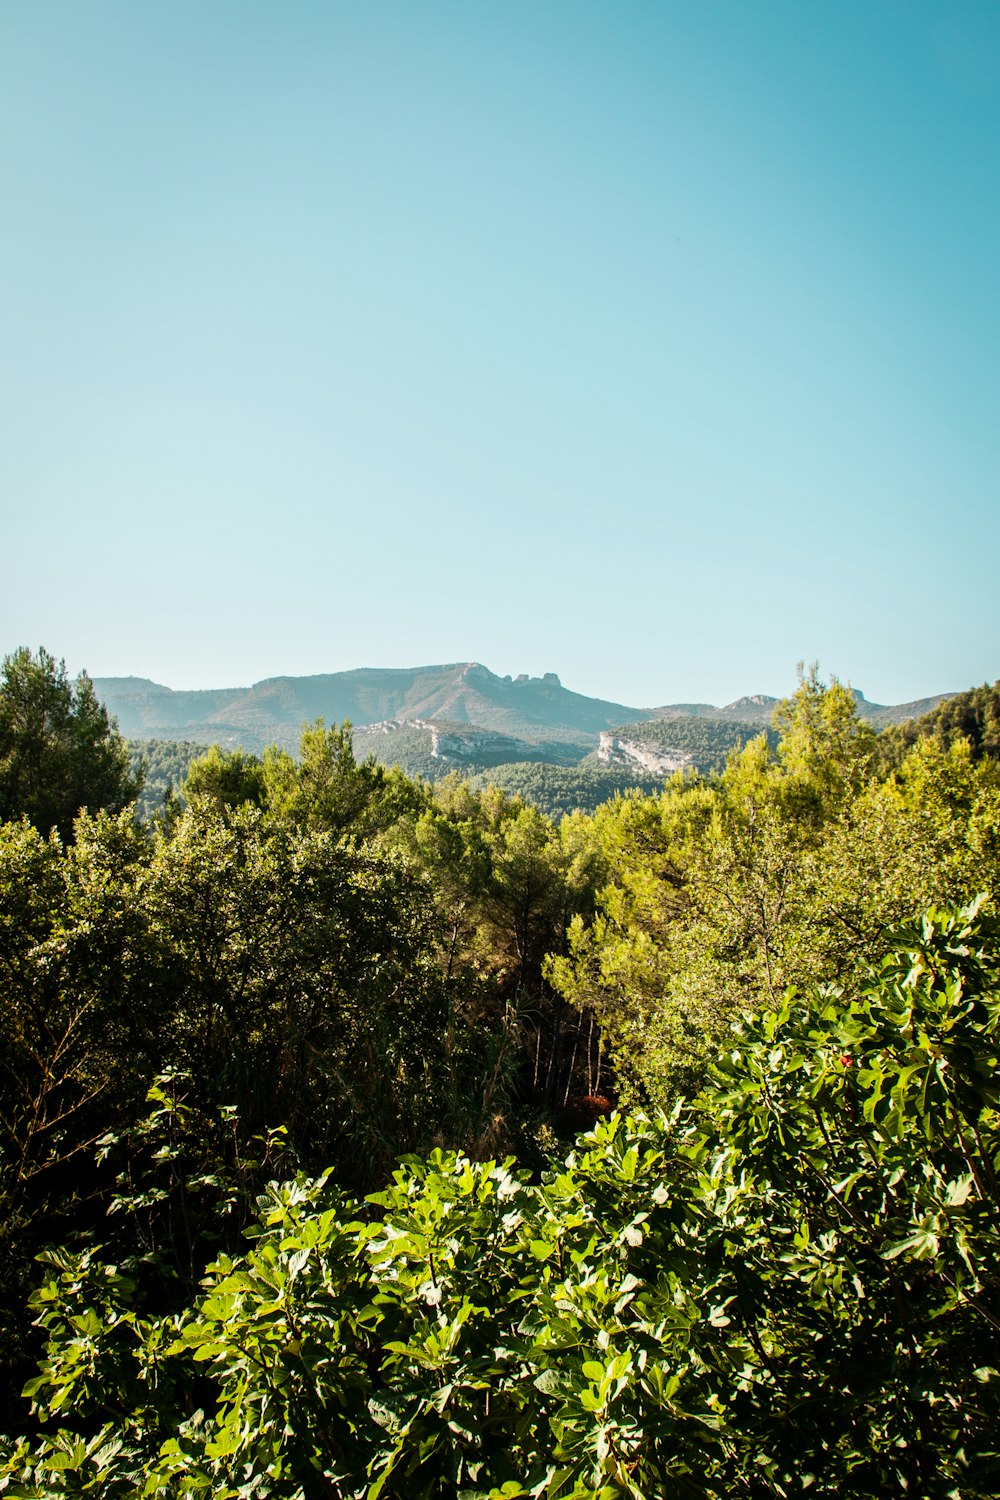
(755, 709)
(759, 707)
(459, 716)
(273, 711)
(881, 715)
(531, 735)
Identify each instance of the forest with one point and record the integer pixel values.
(362, 1136)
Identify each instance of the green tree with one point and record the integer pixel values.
(824, 749)
(163, 765)
(229, 777)
(784, 870)
(327, 788)
(60, 750)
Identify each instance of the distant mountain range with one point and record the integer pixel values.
(529, 708)
(460, 716)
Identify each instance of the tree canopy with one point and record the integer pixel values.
(59, 749)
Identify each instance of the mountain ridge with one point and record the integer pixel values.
(531, 710)
(273, 710)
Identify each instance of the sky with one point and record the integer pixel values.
(655, 343)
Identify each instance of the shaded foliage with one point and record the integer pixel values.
(788, 1287)
(557, 790)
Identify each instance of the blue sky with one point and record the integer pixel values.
(655, 344)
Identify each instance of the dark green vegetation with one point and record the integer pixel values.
(557, 790)
(162, 765)
(973, 716)
(783, 1284)
(788, 1287)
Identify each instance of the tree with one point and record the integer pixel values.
(230, 777)
(79, 1021)
(327, 789)
(824, 748)
(60, 750)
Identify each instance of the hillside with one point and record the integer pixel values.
(164, 765)
(560, 749)
(662, 746)
(556, 790)
(756, 708)
(881, 715)
(432, 748)
(559, 776)
(973, 716)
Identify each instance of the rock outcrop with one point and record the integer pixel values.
(614, 750)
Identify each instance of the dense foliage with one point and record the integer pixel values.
(301, 969)
(162, 766)
(557, 790)
(788, 1287)
(319, 944)
(785, 870)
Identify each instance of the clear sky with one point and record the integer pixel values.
(651, 342)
